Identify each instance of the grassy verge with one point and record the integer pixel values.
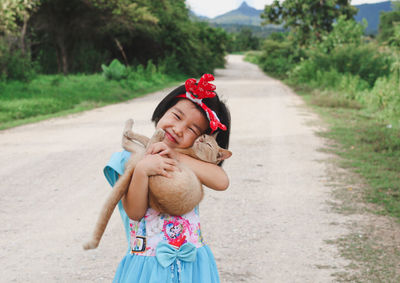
(365, 178)
(371, 150)
(56, 95)
(366, 146)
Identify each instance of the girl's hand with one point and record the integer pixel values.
(163, 150)
(155, 164)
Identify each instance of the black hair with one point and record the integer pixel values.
(213, 103)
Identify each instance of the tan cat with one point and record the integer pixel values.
(175, 196)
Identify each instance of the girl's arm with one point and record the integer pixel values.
(135, 201)
(210, 175)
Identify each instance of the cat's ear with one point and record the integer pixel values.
(214, 135)
(223, 154)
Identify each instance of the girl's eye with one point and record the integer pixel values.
(193, 131)
(176, 116)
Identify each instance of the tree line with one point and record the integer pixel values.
(78, 36)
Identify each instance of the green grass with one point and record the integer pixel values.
(56, 95)
(367, 146)
(368, 143)
(252, 56)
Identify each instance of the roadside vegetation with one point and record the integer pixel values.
(353, 82)
(59, 57)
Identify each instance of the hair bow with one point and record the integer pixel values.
(196, 92)
(202, 89)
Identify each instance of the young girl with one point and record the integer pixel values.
(166, 248)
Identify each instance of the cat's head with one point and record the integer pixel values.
(207, 149)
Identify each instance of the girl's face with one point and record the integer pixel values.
(182, 123)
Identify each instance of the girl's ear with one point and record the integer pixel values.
(223, 154)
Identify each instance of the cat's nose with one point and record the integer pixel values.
(201, 139)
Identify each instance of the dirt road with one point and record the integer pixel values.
(271, 225)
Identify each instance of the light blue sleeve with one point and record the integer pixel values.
(115, 167)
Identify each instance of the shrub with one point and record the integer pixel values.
(365, 61)
(384, 99)
(344, 32)
(309, 72)
(115, 71)
(14, 65)
(278, 57)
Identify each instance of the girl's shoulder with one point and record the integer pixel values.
(116, 165)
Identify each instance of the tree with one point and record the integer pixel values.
(14, 16)
(389, 23)
(66, 24)
(307, 19)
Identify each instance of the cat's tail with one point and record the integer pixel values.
(111, 202)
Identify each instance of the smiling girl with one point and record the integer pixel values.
(167, 248)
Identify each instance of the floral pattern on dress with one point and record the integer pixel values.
(155, 227)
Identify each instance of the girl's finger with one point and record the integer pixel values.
(170, 168)
(170, 161)
(165, 174)
(165, 152)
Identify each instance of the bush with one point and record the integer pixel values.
(344, 32)
(309, 72)
(365, 61)
(115, 71)
(14, 65)
(384, 99)
(278, 57)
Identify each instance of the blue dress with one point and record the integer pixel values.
(161, 247)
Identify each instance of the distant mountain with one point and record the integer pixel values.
(244, 15)
(371, 13)
(194, 17)
(249, 16)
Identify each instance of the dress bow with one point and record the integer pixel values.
(167, 254)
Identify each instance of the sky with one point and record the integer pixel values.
(213, 8)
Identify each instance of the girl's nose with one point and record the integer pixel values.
(178, 129)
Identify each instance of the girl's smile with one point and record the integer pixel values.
(182, 124)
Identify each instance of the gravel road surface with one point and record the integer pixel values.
(271, 225)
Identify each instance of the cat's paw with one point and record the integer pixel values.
(128, 133)
(129, 124)
(159, 135)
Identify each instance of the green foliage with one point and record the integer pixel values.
(115, 71)
(384, 99)
(344, 32)
(308, 19)
(349, 86)
(371, 149)
(388, 21)
(365, 61)
(278, 57)
(394, 40)
(14, 65)
(243, 41)
(13, 12)
(51, 95)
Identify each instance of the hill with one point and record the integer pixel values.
(244, 15)
(371, 13)
(248, 16)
